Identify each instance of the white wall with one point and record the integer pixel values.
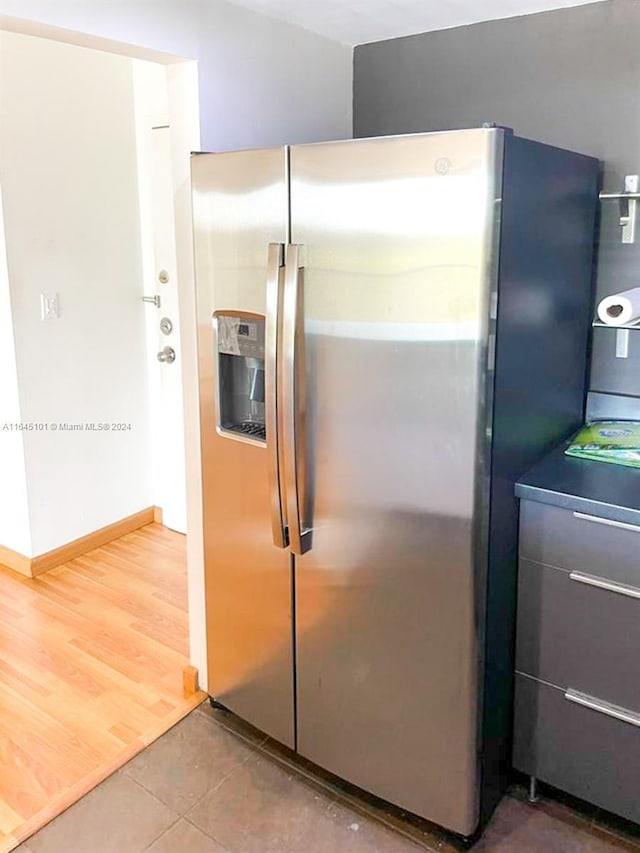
(14, 510)
(68, 173)
(262, 82)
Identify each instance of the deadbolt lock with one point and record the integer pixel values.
(166, 326)
(163, 276)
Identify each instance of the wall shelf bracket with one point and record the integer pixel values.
(628, 201)
(622, 335)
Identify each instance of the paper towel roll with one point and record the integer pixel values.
(620, 308)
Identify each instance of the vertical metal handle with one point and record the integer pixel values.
(275, 271)
(294, 400)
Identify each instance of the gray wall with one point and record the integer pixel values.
(570, 77)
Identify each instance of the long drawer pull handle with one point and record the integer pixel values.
(603, 707)
(606, 521)
(601, 583)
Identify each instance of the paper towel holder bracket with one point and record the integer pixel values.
(628, 201)
(598, 324)
(622, 343)
(622, 336)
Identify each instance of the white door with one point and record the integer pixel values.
(168, 419)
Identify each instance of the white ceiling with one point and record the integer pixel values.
(361, 21)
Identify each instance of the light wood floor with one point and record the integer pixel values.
(91, 660)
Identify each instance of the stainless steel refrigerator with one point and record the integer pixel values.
(390, 332)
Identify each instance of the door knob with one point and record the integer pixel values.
(167, 355)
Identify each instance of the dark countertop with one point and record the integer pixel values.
(582, 485)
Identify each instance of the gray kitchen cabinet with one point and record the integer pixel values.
(589, 754)
(574, 632)
(577, 686)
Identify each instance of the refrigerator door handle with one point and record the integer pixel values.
(275, 271)
(294, 400)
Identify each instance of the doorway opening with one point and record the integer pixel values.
(96, 627)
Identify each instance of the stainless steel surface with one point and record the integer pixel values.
(166, 326)
(608, 522)
(603, 707)
(240, 206)
(396, 323)
(603, 583)
(533, 790)
(294, 401)
(153, 300)
(167, 355)
(275, 267)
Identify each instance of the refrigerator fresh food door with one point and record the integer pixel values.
(396, 253)
(240, 208)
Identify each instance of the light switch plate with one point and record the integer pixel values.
(49, 306)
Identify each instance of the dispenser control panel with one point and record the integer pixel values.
(239, 335)
(241, 381)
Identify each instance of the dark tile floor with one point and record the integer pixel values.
(212, 785)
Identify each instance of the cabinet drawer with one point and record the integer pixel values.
(583, 751)
(574, 633)
(560, 537)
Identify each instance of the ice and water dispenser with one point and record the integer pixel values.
(241, 374)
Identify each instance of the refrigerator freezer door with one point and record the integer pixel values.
(398, 258)
(240, 207)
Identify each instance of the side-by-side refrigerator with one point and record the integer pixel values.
(390, 332)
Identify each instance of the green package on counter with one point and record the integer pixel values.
(608, 441)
